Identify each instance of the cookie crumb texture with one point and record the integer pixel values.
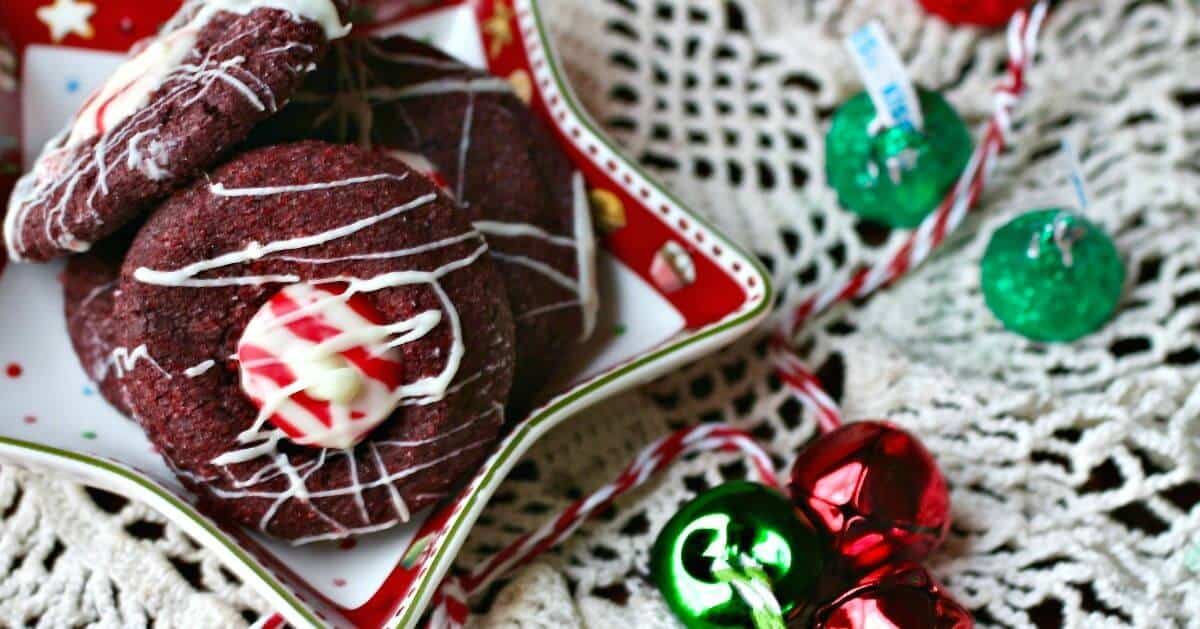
(216, 252)
(240, 71)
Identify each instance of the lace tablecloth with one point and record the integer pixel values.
(1074, 467)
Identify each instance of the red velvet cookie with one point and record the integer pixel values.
(174, 109)
(488, 149)
(90, 283)
(337, 342)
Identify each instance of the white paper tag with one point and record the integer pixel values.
(1072, 197)
(1075, 175)
(885, 78)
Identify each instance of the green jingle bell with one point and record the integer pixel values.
(895, 175)
(1051, 275)
(736, 556)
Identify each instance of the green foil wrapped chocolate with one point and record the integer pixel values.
(736, 556)
(895, 175)
(1051, 275)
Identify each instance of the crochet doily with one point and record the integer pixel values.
(1072, 466)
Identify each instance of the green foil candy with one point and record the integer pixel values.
(736, 556)
(1051, 275)
(898, 175)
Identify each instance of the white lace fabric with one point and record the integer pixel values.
(71, 557)
(1073, 467)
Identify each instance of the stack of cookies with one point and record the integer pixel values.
(319, 270)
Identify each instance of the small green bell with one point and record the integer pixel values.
(1051, 275)
(736, 556)
(897, 175)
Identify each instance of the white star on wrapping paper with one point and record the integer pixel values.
(68, 16)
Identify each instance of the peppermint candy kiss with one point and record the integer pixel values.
(321, 365)
(130, 87)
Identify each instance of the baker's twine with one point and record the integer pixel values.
(450, 608)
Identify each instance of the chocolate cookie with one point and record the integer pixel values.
(336, 340)
(500, 161)
(218, 69)
(90, 283)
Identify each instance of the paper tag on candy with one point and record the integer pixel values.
(1066, 186)
(321, 366)
(1075, 175)
(885, 78)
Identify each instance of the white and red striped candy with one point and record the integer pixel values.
(321, 363)
(130, 88)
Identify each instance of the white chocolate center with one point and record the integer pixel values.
(319, 367)
(331, 379)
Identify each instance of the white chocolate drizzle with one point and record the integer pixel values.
(170, 65)
(484, 85)
(122, 360)
(541, 310)
(255, 251)
(522, 230)
(298, 475)
(200, 369)
(547, 271)
(260, 442)
(220, 190)
(98, 363)
(354, 102)
(387, 255)
(464, 149)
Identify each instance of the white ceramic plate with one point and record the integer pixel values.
(673, 289)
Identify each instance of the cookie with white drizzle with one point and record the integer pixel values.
(336, 342)
(175, 108)
(493, 154)
(90, 287)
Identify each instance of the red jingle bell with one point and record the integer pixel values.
(903, 596)
(977, 12)
(875, 491)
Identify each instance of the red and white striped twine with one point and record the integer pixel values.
(450, 601)
(806, 387)
(450, 608)
(274, 621)
(1022, 42)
